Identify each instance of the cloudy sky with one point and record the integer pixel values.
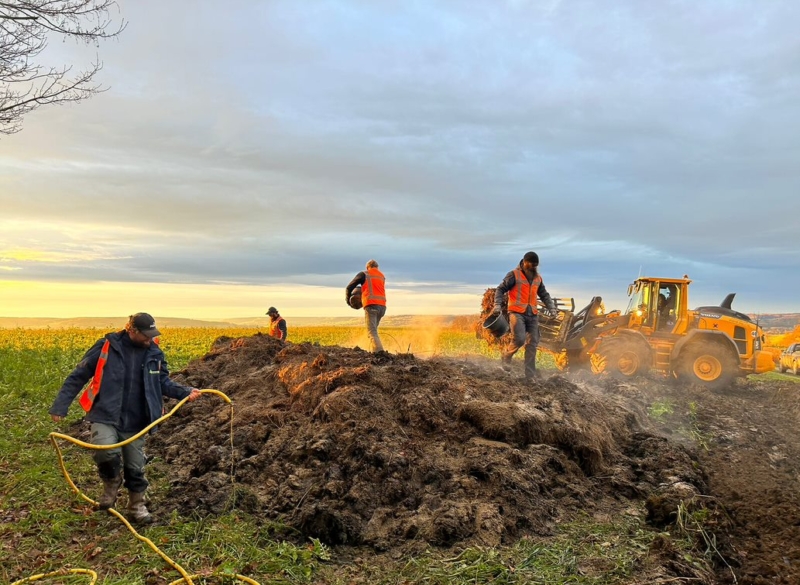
(256, 153)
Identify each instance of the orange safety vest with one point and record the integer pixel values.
(91, 391)
(524, 294)
(274, 330)
(373, 291)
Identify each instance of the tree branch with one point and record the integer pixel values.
(24, 29)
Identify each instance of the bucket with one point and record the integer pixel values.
(496, 324)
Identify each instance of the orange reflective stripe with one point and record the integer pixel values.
(91, 391)
(373, 291)
(524, 293)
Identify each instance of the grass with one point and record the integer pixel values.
(776, 375)
(582, 553)
(660, 409)
(697, 434)
(44, 527)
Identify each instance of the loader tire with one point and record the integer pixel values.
(781, 369)
(709, 365)
(621, 359)
(795, 368)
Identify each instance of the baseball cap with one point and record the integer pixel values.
(145, 324)
(271, 310)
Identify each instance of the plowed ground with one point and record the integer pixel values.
(390, 453)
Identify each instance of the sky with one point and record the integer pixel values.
(256, 153)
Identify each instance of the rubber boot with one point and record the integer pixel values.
(110, 491)
(137, 509)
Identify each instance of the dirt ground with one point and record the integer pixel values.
(750, 450)
(397, 454)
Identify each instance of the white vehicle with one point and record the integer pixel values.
(790, 359)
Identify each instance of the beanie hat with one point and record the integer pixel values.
(531, 257)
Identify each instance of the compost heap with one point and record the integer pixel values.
(393, 451)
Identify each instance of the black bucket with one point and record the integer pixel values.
(496, 324)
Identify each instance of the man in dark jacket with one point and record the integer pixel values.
(129, 380)
(524, 286)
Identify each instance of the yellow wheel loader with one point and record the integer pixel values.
(709, 346)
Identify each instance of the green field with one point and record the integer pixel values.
(45, 527)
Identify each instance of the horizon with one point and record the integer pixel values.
(356, 317)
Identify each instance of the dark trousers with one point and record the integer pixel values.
(525, 329)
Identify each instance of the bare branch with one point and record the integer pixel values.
(24, 29)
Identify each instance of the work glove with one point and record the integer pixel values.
(551, 312)
(497, 309)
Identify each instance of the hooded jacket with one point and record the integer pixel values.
(107, 407)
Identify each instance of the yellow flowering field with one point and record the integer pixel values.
(182, 344)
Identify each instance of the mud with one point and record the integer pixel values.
(749, 446)
(400, 454)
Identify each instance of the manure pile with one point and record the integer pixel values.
(388, 451)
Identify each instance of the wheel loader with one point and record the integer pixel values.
(709, 346)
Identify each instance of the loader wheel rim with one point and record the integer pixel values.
(628, 363)
(707, 368)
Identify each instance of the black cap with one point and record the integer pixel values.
(272, 310)
(531, 257)
(145, 324)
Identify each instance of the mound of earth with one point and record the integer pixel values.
(391, 451)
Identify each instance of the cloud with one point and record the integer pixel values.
(277, 143)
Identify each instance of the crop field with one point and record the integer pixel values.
(183, 344)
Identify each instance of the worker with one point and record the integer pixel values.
(524, 286)
(373, 300)
(129, 380)
(277, 324)
(666, 306)
(663, 311)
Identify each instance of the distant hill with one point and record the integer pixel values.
(111, 323)
(777, 322)
(773, 322)
(108, 323)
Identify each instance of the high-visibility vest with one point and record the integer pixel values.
(524, 294)
(274, 330)
(373, 291)
(91, 391)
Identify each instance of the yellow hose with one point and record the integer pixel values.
(59, 573)
(185, 577)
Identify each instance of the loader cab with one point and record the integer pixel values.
(655, 305)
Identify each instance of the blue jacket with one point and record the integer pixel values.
(107, 407)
